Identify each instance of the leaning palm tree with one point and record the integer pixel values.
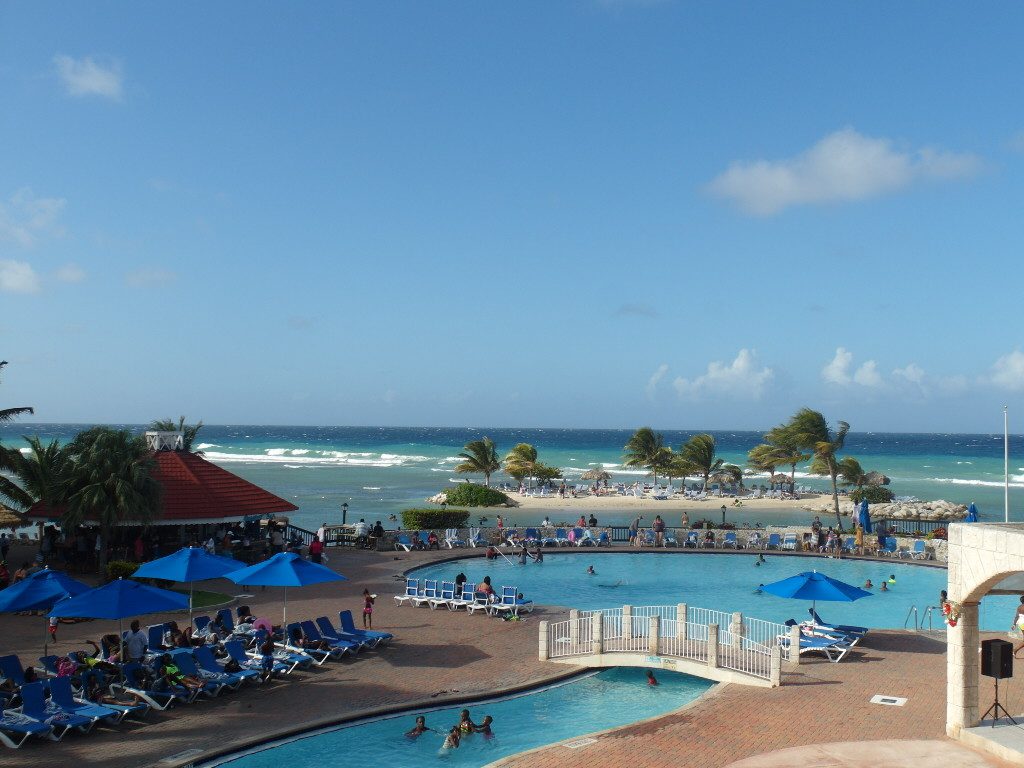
(188, 431)
(851, 473)
(789, 453)
(646, 449)
(809, 430)
(109, 482)
(521, 462)
(8, 456)
(480, 456)
(699, 453)
(764, 458)
(40, 474)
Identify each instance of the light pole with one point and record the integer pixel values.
(344, 512)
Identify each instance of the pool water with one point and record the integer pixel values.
(607, 699)
(724, 582)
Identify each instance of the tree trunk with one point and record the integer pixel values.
(101, 560)
(706, 476)
(835, 501)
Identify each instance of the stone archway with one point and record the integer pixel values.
(982, 557)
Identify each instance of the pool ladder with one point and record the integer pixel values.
(918, 621)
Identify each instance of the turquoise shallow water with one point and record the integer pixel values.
(718, 581)
(608, 699)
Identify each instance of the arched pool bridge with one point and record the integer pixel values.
(726, 647)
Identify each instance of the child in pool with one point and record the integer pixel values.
(419, 729)
(465, 724)
(591, 571)
(883, 587)
(650, 678)
(451, 741)
(485, 727)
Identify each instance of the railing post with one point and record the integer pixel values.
(627, 622)
(776, 668)
(713, 646)
(736, 629)
(653, 630)
(574, 628)
(794, 645)
(542, 649)
(598, 645)
(681, 621)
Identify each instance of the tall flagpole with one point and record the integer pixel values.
(1006, 465)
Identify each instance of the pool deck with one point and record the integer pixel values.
(445, 657)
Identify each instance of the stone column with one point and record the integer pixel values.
(962, 672)
(627, 622)
(794, 645)
(776, 668)
(542, 645)
(713, 646)
(736, 629)
(653, 630)
(681, 621)
(598, 645)
(574, 628)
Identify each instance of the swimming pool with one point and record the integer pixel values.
(725, 582)
(594, 702)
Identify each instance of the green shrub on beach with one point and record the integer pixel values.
(471, 495)
(875, 494)
(121, 569)
(433, 519)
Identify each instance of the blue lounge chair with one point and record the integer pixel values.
(790, 541)
(810, 629)
(583, 537)
(403, 542)
(319, 656)
(603, 540)
(16, 729)
(668, 539)
(730, 540)
(511, 604)
(293, 658)
(208, 665)
(451, 538)
(692, 540)
(236, 651)
(202, 624)
(430, 592)
(348, 627)
(833, 649)
(157, 698)
(412, 590)
(465, 598)
(774, 541)
(919, 551)
(645, 537)
(312, 632)
(848, 629)
(444, 596)
(849, 545)
(530, 536)
(155, 633)
(12, 671)
(328, 632)
(35, 706)
(62, 696)
(480, 602)
(184, 661)
(561, 539)
(888, 547)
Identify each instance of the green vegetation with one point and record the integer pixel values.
(521, 462)
(188, 431)
(646, 448)
(8, 488)
(479, 457)
(202, 598)
(121, 569)
(875, 494)
(433, 519)
(40, 473)
(471, 495)
(698, 453)
(809, 430)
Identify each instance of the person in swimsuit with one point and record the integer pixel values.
(650, 678)
(367, 609)
(868, 584)
(466, 725)
(175, 677)
(591, 571)
(538, 556)
(419, 729)
(1018, 622)
(451, 741)
(883, 587)
(485, 727)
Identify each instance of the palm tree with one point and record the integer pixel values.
(480, 456)
(9, 414)
(764, 458)
(646, 448)
(188, 431)
(789, 452)
(40, 473)
(676, 466)
(521, 462)
(699, 453)
(8, 456)
(109, 481)
(851, 473)
(808, 429)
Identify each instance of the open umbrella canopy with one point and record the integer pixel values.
(972, 514)
(863, 517)
(40, 591)
(596, 474)
(119, 599)
(9, 518)
(285, 569)
(813, 586)
(188, 564)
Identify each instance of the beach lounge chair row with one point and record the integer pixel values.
(444, 594)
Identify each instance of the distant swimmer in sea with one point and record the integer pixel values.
(591, 571)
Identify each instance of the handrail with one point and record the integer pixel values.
(911, 612)
(927, 615)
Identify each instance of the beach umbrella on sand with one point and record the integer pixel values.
(40, 592)
(815, 586)
(863, 517)
(597, 473)
(972, 514)
(189, 564)
(119, 600)
(285, 569)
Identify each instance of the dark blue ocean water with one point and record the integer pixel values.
(381, 470)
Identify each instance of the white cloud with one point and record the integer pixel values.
(24, 218)
(70, 273)
(18, 277)
(741, 377)
(88, 77)
(912, 373)
(1008, 372)
(149, 276)
(843, 166)
(838, 370)
(655, 380)
(867, 375)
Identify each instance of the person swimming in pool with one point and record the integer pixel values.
(759, 590)
(868, 584)
(419, 729)
(650, 678)
(883, 587)
(591, 571)
(451, 741)
(892, 578)
(485, 727)
(466, 725)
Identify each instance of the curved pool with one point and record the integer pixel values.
(594, 702)
(725, 582)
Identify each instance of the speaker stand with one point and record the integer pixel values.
(996, 708)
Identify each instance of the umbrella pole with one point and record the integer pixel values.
(284, 623)
(190, 602)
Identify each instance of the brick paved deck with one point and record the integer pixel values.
(443, 656)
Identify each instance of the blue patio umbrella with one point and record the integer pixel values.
(972, 514)
(119, 600)
(285, 569)
(863, 517)
(189, 564)
(815, 586)
(39, 592)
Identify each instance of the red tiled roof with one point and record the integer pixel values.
(196, 490)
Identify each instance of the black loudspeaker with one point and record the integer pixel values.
(997, 659)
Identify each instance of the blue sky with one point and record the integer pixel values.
(590, 213)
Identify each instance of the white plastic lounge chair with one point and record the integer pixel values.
(464, 599)
(846, 629)
(445, 597)
(481, 602)
(403, 542)
(584, 538)
(833, 650)
(412, 589)
(790, 541)
(430, 592)
(451, 538)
